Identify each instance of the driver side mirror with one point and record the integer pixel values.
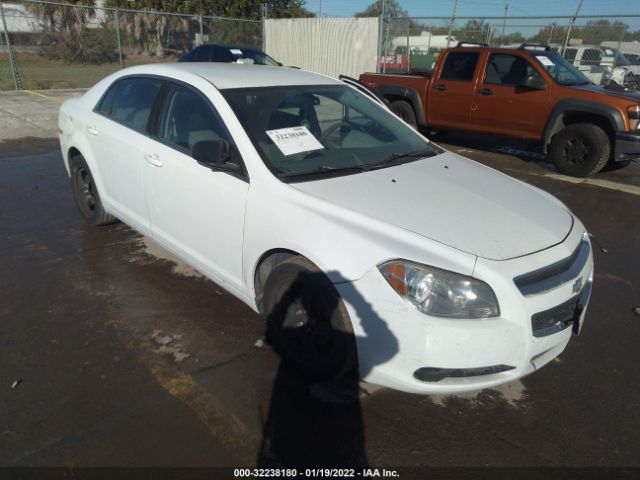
(214, 154)
(534, 82)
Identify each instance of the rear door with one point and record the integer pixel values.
(118, 127)
(452, 89)
(502, 105)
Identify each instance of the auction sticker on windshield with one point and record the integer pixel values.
(545, 61)
(294, 140)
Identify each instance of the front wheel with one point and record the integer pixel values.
(307, 323)
(580, 150)
(86, 193)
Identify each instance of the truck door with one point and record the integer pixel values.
(503, 105)
(451, 90)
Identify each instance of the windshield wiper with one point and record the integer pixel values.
(400, 158)
(320, 171)
(578, 84)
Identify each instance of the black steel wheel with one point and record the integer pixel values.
(86, 193)
(580, 150)
(404, 110)
(307, 323)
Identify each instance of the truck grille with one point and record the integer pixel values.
(554, 275)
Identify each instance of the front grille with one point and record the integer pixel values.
(555, 319)
(554, 275)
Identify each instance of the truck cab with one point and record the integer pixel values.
(529, 93)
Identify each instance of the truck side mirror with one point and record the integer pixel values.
(534, 82)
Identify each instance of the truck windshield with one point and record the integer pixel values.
(560, 69)
(309, 132)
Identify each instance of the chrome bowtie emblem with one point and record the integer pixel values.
(577, 286)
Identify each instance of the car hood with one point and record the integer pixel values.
(455, 201)
(612, 90)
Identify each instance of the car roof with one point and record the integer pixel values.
(234, 75)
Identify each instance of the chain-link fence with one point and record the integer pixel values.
(54, 45)
(603, 49)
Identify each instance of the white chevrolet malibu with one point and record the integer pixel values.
(366, 247)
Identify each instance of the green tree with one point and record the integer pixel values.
(62, 18)
(392, 10)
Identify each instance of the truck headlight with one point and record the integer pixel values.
(440, 293)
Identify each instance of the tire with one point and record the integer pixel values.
(85, 193)
(580, 150)
(307, 322)
(404, 110)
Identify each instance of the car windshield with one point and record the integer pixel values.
(244, 55)
(308, 132)
(560, 69)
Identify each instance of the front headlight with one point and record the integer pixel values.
(439, 292)
(633, 114)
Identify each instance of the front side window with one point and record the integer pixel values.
(134, 101)
(560, 69)
(511, 70)
(307, 132)
(188, 118)
(459, 66)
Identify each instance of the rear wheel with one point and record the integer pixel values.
(580, 150)
(307, 323)
(404, 110)
(86, 193)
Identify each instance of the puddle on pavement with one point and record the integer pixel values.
(149, 251)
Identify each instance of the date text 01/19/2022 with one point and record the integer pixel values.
(315, 473)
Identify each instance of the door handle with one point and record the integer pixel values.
(440, 88)
(485, 91)
(153, 159)
(92, 130)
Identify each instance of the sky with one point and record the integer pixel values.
(478, 8)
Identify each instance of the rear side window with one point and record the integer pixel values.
(459, 66)
(201, 54)
(591, 56)
(134, 101)
(570, 54)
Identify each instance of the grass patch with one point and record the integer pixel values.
(40, 73)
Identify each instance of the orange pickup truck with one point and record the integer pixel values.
(530, 93)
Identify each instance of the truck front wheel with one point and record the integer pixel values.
(404, 110)
(580, 150)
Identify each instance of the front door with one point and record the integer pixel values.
(502, 105)
(194, 211)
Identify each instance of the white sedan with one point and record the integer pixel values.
(366, 247)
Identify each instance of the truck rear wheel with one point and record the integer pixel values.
(580, 150)
(404, 110)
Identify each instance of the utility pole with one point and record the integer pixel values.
(504, 22)
(385, 29)
(320, 9)
(571, 22)
(116, 22)
(453, 19)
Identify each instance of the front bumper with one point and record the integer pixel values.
(402, 348)
(627, 146)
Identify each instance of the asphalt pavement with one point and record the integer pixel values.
(113, 353)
